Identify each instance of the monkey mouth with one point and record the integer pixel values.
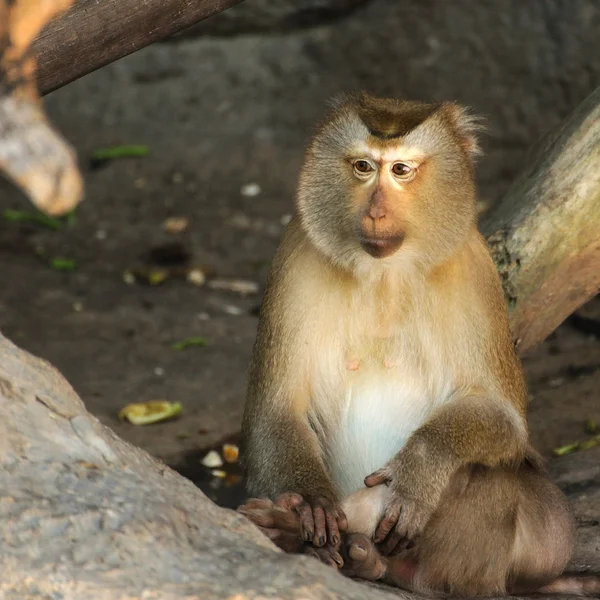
(381, 247)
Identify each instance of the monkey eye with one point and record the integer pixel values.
(362, 166)
(401, 170)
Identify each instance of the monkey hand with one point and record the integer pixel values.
(412, 501)
(278, 520)
(322, 519)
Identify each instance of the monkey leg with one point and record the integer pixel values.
(496, 531)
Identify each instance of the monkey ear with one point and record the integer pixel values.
(467, 126)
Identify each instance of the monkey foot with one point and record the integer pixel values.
(361, 558)
(328, 555)
(277, 520)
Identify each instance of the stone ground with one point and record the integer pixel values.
(222, 112)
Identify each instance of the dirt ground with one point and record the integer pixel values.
(219, 114)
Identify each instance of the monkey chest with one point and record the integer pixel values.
(379, 400)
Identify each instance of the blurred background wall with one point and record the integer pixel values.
(232, 102)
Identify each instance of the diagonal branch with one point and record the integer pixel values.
(94, 33)
(545, 233)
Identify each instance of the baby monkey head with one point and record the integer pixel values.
(389, 180)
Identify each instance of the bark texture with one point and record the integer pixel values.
(545, 233)
(94, 33)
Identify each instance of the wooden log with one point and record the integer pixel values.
(545, 233)
(94, 33)
(32, 154)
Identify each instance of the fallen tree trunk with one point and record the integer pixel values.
(94, 33)
(545, 233)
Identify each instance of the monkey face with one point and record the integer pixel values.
(386, 179)
(381, 198)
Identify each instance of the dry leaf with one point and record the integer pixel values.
(153, 411)
(176, 224)
(230, 453)
(212, 460)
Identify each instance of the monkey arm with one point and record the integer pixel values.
(283, 456)
(469, 429)
(282, 451)
(283, 461)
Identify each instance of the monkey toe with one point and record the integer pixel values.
(358, 552)
(361, 558)
(282, 526)
(327, 555)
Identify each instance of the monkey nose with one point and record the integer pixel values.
(376, 212)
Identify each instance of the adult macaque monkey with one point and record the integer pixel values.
(385, 398)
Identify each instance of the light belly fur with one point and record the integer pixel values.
(378, 413)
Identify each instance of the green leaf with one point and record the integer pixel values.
(63, 264)
(568, 449)
(21, 216)
(591, 426)
(190, 342)
(125, 151)
(577, 446)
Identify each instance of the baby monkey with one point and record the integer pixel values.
(385, 426)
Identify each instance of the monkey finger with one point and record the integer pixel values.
(286, 541)
(320, 533)
(391, 542)
(260, 518)
(342, 521)
(286, 520)
(253, 503)
(273, 518)
(386, 525)
(376, 478)
(337, 558)
(307, 521)
(327, 556)
(333, 529)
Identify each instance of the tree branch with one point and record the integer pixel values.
(545, 233)
(94, 33)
